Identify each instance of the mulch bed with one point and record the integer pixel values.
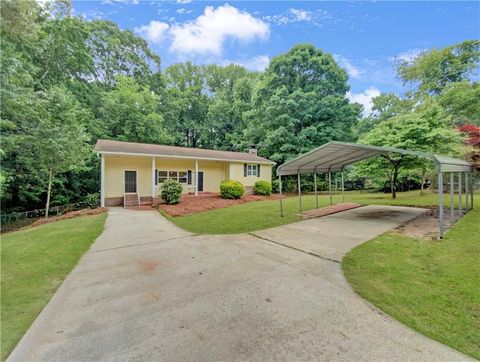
(190, 204)
(70, 215)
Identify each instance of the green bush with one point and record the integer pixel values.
(262, 188)
(92, 200)
(275, 186)
(231, 189)
(171, 191)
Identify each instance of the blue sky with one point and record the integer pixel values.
(365, 37)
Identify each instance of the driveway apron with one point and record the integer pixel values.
(147, 290)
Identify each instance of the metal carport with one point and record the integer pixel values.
(335, 156)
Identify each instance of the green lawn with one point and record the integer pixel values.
(35, 261)
(431, 286)
(265, 214)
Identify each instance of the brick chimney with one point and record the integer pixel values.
(253, 150)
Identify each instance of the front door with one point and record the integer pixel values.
(130, 181)
(200, 181)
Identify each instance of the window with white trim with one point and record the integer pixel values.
(180, 176)
(252, 170)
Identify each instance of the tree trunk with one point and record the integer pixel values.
(424, 174)
(47, 207)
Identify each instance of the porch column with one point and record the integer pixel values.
(102, 180)
(153, 178)
(299, 194)
(196, 177)
(280, 191)
(440, 203)
(452, 200)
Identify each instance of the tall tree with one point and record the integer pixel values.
(299, 104)
(433, 70)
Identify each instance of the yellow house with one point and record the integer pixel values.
(133, 173)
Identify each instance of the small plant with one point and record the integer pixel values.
(171, 191)
(262, 188)
(231, 189)
(92, 200)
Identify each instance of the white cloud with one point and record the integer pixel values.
(407, 55)
(208, 33)
(301, 15)
(352, 70)
(182, 11)
(256, 63)
(365, 99)
(184, 1)
(154, 32)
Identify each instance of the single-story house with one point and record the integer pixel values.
(133, 173)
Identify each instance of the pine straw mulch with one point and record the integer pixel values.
(70, 215)
(190, 204)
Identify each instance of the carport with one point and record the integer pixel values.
(335, 156)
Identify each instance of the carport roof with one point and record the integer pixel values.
(334, 156)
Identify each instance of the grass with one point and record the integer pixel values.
(35, 261)
(431, 286)
(265, 214)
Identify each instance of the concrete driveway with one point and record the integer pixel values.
(147, 290)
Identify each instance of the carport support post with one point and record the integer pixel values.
(196, 177)
(153, 178)
(440, 203)
(452, 201)
(472, 177)
(330, 186)
(315, 185)
(343, 188)
(466, 192)
(460, 206)
(299, 194)
(280, 191)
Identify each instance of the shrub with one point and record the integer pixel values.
(92, 200)
(262, 188)
(171, 191)
(275, 186)
(231, 189)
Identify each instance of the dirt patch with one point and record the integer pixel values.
(190, 204)
(70, 215)
(425, 226)
(329, 210)
(148, 266)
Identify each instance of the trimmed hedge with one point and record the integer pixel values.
(262, 188)
(231, 189)
(171, 191)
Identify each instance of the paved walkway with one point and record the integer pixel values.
(147, 290)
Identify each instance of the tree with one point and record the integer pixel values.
(427, 128)
(462, 101)
(433, 70)
(129, 113)
(300, 103)
(54, 140)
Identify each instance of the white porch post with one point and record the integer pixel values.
(153, 178)
(102, 181)
(196, 177)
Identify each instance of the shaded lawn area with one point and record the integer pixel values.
(431, 286)
(265, 214)
(35, 261)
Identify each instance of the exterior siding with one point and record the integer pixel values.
(236, 173)
(115, 166)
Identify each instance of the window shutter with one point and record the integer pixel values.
(189, 177)
(258, 170)
(156, 177)
(244, 170)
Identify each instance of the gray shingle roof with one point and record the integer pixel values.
(120, 147)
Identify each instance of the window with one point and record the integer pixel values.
(180, 176)
(251, 170)
(162, 176)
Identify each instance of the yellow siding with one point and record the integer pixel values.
(115, 167)
(214, 172)
(236, 173)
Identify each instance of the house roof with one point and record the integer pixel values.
(147, 149)
(334, 156)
